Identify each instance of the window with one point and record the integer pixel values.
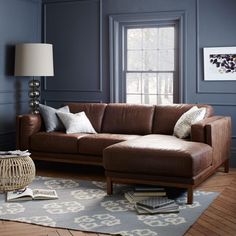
(150, 64)
(147, 57)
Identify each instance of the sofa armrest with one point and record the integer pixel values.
(216, 132)
(26, 125)
(198, 130)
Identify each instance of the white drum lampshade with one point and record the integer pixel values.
(34, 59)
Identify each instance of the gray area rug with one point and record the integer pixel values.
(84, 205)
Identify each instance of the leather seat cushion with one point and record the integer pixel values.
(95, 144)
(57, 142)
(158, 155)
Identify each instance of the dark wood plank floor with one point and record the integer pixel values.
(218, 219)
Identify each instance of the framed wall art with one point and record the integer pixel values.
(219, 63)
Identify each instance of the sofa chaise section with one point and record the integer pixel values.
(157, 159)
(170, 161)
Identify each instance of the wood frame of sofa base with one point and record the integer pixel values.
(190, 187)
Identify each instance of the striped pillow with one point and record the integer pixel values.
(182, 127)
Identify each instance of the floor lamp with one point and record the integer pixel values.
(34, 59)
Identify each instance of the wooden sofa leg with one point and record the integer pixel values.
(226, 166)
(109, 186)
(190, 195)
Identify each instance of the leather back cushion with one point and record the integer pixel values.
(94, 112)
(166, 116)
(123, 118)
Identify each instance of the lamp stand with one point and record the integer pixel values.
(34, 94)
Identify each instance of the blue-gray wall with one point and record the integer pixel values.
(79, 31)
(209, 23)
(20, 21)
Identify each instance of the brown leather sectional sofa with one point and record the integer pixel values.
(135, 144)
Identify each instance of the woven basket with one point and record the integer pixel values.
(16, 173)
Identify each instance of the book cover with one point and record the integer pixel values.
(133, 199)
(31, 194)
(155, 202)
(146, 188)
(150, 194)
(173, 208)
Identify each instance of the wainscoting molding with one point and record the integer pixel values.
(198, 59)
(221, 104)
(20, 22)
(59, 103)
(76, 88)
(11, 98)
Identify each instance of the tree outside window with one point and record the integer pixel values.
(150, 64)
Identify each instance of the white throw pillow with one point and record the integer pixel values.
(182, 127)
(76, 123)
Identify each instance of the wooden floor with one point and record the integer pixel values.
(218, 219)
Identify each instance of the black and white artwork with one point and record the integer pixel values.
(220, 63)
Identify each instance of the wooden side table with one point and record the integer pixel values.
(16, 172)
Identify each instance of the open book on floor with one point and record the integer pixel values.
(31, 194)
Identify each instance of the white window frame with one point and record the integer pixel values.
(174, 72)
(117, 25)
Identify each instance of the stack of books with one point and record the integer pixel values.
(151, 200)
(141, 193)
(149, 191)
(156, 205)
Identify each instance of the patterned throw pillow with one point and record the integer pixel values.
(182, 127)
(76, 123)
(51, 121)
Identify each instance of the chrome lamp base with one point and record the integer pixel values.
(34, 94)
